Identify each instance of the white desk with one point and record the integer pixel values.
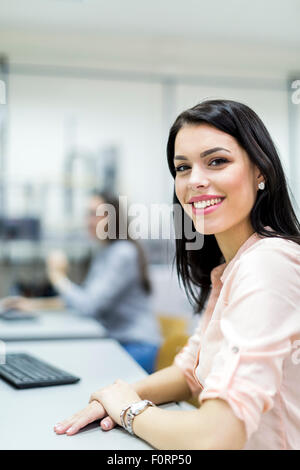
(27, 416)
(51, 325)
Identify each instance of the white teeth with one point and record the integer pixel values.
(203, 204)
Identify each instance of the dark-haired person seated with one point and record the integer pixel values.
(116, 290)
(241, 363)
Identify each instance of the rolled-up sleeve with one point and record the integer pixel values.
(185, 360)
(257, 325)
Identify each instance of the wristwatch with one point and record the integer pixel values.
(132, 411)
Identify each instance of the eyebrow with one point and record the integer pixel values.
(203, 154)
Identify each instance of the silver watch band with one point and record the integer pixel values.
(132, 411)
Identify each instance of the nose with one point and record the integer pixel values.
(198, 178)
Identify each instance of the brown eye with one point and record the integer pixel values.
(219, 161)
(181, 168)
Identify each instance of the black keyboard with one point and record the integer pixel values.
(25, 371)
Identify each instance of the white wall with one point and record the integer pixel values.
(271, 106)
(125, 114)
(134, 115)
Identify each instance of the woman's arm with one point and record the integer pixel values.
(109, 279)
(211, 427)
(33, 304)
(47, 303)
(163, 386)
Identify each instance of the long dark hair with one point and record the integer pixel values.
(272, 208)
(111, 199)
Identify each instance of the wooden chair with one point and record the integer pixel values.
(175, 336)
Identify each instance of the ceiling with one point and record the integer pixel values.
(255, 21)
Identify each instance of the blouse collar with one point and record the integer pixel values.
(225, 268)
(247, 244)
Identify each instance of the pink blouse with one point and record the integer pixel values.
(246, 348)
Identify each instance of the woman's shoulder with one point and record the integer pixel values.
(274, 246)
(262, 290)
(271, 256)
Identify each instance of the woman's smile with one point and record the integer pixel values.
(206, 207)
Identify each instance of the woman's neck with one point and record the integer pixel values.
(230, 241)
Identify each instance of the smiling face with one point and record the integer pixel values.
(209, 162)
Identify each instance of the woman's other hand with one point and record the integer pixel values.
(57, 265)
(18, 302)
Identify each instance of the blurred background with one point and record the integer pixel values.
(89, 90)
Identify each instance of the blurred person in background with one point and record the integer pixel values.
(116, 290)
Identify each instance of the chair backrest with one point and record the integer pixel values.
(174, 332)
(171, 325)
(170, 347)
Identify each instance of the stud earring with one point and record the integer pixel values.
(261, 185)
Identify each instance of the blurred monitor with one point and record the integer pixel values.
(20, 228)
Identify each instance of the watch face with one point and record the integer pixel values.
(136, 407)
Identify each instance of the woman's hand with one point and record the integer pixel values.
(105, 404)
(92, 412)
(18, 302)
(57, 266)
(115, 397)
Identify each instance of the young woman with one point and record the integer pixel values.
(241, 362)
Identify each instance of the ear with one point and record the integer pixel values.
(259, 177)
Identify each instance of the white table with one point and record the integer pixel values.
(27, 416)
(50, 325)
